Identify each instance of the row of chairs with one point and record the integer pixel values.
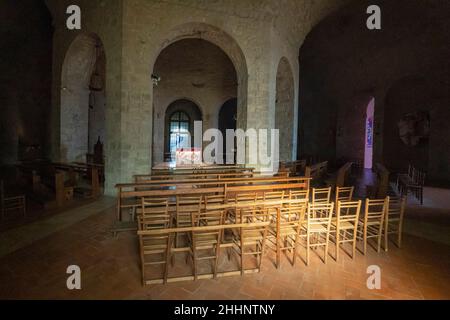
(308, 224)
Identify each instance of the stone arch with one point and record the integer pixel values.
(218, 37)
(285, 109)
(85, 60)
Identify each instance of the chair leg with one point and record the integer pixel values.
(166, 266)
(364, 240)
(278, 250)
(216, 260)
(326, 248)
(194, 253)
(379, 239)
(307, 249)
(337, 245)
(242, 255)
(386, 235)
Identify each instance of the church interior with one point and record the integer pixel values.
(111, 109)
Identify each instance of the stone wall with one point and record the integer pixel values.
(254, 34)
(25, 79)
(343, 65)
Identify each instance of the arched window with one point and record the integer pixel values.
(179, 131)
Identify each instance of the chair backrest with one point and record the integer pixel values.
(274, 195)
(319, 213)
(321, 195)
(344, 194)
(375, 210)
(214, 199)
(299, 194)
(348, 211)
(188, 204)
(396, 208)
(292, 216)
(243, 196)
(208, 218)
(186, 207)
(155, 214)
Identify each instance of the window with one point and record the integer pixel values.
(179, 132)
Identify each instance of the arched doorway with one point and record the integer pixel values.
(227, 120)
(82, 98)
(284, 109)
(194, 70)
(368, 144)
(179, 126)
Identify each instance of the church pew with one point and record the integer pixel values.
(343, 173)
(205, 169)
(90, 171)
(382, 180)
(316, 171)
(191, 176)
(295, 168)
(128, 195)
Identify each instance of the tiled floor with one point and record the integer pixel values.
(110, 270)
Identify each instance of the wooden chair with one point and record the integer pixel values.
(186, 206)
(345, 225)
(253, 237)
(155, 215)
(344, 194)
(393, 222)
(317, 227)
(243, 197)
(284, 231)
(299, 194)
(11, 203)
(272, 196)
(371, 224)
(321, 195)
(208, 241)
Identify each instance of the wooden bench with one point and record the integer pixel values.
(217, 176)
(90, 171)
(128, 195)
(343, 173)
(316, 171)
(382, 181)
(295, 168)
